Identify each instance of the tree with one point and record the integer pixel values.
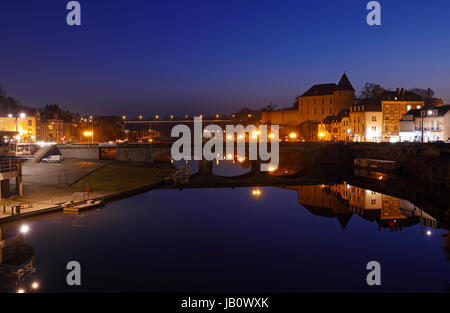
(424, 93)
(371, 90)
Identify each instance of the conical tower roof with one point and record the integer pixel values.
(345, 84)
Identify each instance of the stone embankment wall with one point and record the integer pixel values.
(428, 161)
(80, 151)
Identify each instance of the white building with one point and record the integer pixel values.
(433, 123)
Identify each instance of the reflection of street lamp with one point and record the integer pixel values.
(256, 192)
(24, 229)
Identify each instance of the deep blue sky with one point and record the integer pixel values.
(193, 56)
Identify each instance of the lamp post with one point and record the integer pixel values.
(92, 129)
(422, 114)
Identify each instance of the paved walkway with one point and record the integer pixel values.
(47, 184)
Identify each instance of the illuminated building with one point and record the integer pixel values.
(394, 105)
(23, 124)
(432, 122)
(315, 104)
(366, 121)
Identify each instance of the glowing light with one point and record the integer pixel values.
(157, 116)
(88, 134)
(380, 178)
(240, 137)
(292, 135)
(171, 116)
(124, 117)
(217, 115)
(20, 290)
(249, 115)
(229, 156)
(428, 232)
(271, 136)
(35, 285)
(321, 134)
(256, 192)
(22, 115)
(230, 137)
(24, 229)
(271, 168)
(241, 159)
(10, 115)
(140, 117)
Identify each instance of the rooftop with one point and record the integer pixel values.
(328, 89)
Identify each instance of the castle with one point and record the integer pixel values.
(315, 104)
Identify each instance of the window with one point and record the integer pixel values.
(374, 128)
(373, 201)
(30, 123)
(437, 125)
(386, 108)
(374, 118)
(432, 125)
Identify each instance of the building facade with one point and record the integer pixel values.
(366, 122)
(22, 124)
(315, 104)
(431, 124)
(394, 105)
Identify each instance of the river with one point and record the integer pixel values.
(314, 238)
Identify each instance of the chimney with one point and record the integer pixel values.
(403, 91)
(397, 91)
(381, 91)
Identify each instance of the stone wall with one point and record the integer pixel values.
(282, 117)
(428, 161)
(79, 151)
(143, 153)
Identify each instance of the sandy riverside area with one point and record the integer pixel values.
(47, 184)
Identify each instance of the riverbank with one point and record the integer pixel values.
(47, 186)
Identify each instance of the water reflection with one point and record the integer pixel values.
(342, 201)
(16, 258)
(183, 237)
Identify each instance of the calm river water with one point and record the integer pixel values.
(269, 239)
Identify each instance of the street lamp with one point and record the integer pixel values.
(89, 134)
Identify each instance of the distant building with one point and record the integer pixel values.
(23, 123)
(335, 127)
(51, 130)
(432, 122)
(317, 103)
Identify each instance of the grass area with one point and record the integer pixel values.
(119, 177)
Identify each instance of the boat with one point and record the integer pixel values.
(378, 165)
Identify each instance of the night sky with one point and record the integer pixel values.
(175, 57)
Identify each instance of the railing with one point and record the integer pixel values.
(8, 165)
